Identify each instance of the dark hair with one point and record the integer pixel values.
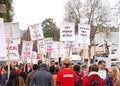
(6, 68)
(52, 69)
(56, 63)
(23, 75)
(101, 61)
(12, 77)
(56, 69)
(16, 82)
(76, 68)
(67, 65)
(52, 61)
(35, 66)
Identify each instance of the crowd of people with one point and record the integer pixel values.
(68, 74)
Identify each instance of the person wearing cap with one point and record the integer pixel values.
(67, 76)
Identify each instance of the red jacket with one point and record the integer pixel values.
(0, 72)
(94, 76)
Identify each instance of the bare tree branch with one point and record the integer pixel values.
(72, 11)
(93, 12)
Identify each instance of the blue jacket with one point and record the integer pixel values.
(108, 81)
(42, 78)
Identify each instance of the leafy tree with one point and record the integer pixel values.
(50, 29)
(8, 16)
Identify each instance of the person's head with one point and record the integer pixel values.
(94, 67)
(39, 62)
(84, 66)
(114, 73)
(102, 64)
(56, 63)
(35, 66)
(44, 66)
(66, 62)
(52, 63)
(76, 68)
(52, 69)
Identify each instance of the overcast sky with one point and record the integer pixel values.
(29, 12)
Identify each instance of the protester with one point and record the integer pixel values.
(52, 63)
(93, 76)
(2, 81)
(42, 77)
(39, 64)
(66, 77)
(18, 70)
(5, 73)
(19, 81)
(84, 71)
(102, 65)
(28, 79)
(113, 76)
(54, 70)
(12, 78)
(76, 68)
(102, 68)
(23, 75)
(57, 65)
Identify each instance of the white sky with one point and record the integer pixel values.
(29, 12)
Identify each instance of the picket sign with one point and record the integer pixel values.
(36, 33)
(27, 49)
(67, 34)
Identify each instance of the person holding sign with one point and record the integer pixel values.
(102, 65)
(67, 76)
(102, 69)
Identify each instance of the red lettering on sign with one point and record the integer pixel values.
(67, 27)
(12, 48)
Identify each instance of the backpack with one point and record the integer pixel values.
(94, 82)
